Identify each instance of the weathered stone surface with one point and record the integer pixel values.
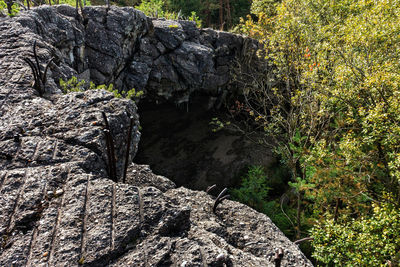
(167, 59)
(58, 206)
(141, 175)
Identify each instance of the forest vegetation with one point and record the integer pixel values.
(330, 103)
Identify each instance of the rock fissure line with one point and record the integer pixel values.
(113, 214)
(55, 229)
(84, 220)
(8, 228)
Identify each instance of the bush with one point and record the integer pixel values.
(367, 241)
(13, 11)
(254, 192)
(158, 9)
(331, 103)
(254, 189)
(76, 85)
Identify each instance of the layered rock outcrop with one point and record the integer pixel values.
(58, 206)
(167, 59)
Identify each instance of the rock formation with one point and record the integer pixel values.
(58, 206)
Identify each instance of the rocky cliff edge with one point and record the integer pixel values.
(58, 206)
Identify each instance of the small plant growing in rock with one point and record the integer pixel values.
(76, 85)
(72, 85)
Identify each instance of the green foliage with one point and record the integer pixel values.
(72, 2)
(345, 243)
(14, 8)
(193, 17)
(267, 7)
(162, 9)
(331, 103)
(76, 85)
(3, 5)
(72, 85)
(218, 125)
(254, 189)
(254, 192)
(185, 7)
(153, 8)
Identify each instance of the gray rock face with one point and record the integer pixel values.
(167, 59)
(57, 205)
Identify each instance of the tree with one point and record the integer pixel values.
(330, 99)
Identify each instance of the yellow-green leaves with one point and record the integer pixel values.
(339, 67)
(75, 85)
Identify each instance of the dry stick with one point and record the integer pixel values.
(112, 163)
(219, 199)
(128, 147)
(113, 172)
(211, 187)
(278, 257)
(33, 68)
(40, 80)
(303, 239)
(37, 79)
(106, 133)
(36, 59)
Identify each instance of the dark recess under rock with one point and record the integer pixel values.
(179, 142)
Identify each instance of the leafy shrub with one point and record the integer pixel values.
(14, 8)
(157, 9)
(331, 102)
(254, 192)
(153, 8)
(345, 243)
(72, 2)
(76, 85)
(267, 7)
(254, 189)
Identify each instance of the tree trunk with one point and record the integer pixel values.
(221, 15)
(228, 13)
(336, 214)
(207, 11)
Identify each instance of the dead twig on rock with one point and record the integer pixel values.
(278, 257)
(303, 239)
(112, 169)
(221, 197)
(211, 187)
(39, 78)
(128, 147)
